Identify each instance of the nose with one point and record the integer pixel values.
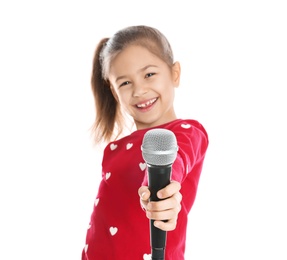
(139, 89)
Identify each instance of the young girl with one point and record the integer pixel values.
(134, 73)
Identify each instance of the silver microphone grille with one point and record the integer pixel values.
(159, 147)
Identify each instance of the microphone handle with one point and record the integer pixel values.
(158, 178)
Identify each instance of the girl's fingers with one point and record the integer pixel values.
(169, 190)
(165, 226)
(164, 215)
(144, 193)
(165, 204)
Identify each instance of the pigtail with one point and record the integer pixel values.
(105, 104)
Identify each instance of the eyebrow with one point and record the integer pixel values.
(140, 70)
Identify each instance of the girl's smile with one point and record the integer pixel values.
(146, 105)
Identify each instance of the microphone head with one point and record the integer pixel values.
(159, 147)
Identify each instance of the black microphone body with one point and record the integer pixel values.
(159, 151)
(158, 178)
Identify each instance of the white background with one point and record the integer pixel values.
(234, 65)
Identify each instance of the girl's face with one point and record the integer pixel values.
(144, 86)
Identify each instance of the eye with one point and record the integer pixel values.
(148, 75)
(124, 83)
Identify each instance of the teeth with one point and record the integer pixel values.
(147, 103)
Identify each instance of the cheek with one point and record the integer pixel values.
(166, 86)
(114, 92)
(123, 98)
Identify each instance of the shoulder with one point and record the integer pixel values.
(187, 127)
(191, 136)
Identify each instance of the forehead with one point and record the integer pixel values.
(133, 58)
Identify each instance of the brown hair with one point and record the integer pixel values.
(109, 121)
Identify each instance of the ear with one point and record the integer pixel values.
(176, 73)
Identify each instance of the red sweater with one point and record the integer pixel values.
(119, 228)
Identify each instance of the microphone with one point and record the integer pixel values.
(159, 150)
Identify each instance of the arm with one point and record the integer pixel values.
(192, 141)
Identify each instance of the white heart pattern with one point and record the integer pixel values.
(108, 175)
(129, 146)
(113, 230)
(147, 257)
(113, 146)
(142, 166)
(186, 126)
(97, 200)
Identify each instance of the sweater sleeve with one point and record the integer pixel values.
(192, 141)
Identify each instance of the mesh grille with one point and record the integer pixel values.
(159, 147)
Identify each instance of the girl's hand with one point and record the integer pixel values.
(166, 209)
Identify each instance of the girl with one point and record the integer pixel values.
(134, 73)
